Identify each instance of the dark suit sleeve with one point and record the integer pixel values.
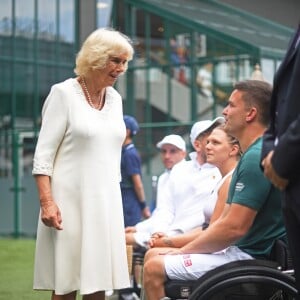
(285, 116)
(268, 142)
(286, 158)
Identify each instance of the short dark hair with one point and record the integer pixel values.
(257, 93)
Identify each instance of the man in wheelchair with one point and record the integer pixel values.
(252, 218)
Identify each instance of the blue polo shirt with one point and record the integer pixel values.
(130, 165)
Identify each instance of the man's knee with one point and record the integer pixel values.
(152, 253)
(154, 268)
(148, 255)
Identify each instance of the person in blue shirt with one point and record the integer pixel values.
(132, 188)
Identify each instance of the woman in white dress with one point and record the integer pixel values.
(80, 238)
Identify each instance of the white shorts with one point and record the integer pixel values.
(193, 266)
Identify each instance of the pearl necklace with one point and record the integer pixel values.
(89, 96)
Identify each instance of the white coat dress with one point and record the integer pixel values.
(80, 149)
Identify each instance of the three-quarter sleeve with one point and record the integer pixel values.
(54, 125)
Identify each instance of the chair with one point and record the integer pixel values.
(135, 258)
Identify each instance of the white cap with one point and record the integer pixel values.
(201, 126)
(172, 139)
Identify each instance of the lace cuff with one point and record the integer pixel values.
(42, 168)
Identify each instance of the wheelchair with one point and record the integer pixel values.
(245, 279)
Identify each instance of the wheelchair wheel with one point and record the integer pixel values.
(247, 281)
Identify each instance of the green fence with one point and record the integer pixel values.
(18, 199)
(19, 204)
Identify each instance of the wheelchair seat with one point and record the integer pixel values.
(279, 260)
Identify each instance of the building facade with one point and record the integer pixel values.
(176, 42)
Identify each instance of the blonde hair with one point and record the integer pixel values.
(231, 139)
(98, 47)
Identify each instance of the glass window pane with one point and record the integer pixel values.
(47, 20)
(49, 75)
(47, 50)
(25, 18)
(5, 17)
(5, 87)
(24, 90)
(67, 53)
(24, 32)
(67, 20)
(104, 13)
(24, 47)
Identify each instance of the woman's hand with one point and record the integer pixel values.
(50, 214)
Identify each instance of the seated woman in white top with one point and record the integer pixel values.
(223, 151)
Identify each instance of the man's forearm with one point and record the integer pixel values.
(178, 241)
(211, 240)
